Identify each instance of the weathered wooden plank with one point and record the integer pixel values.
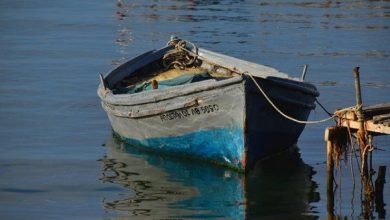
(379, 118)
(377, 114)
(168, 93)
(151, 112)
(369, 125)
(350, 115)
(378, 109)
(241, 66)
(380, 106)
(386, 122)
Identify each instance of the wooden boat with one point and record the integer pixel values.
(201, 104)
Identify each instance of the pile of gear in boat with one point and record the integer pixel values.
(180, 66)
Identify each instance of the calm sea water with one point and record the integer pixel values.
(58, 159)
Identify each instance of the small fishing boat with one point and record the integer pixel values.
(196, 103)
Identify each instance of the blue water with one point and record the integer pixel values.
(55, 139)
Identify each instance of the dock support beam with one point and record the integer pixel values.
(329, 136)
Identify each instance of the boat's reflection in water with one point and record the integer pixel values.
(164, 187)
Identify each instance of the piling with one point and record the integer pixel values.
(363, 146)
(329, 132)
(379, 185)
(361, 133)
(358, 96)
(366, 122)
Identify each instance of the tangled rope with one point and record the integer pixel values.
(180, 57)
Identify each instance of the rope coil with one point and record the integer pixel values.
(179, 57)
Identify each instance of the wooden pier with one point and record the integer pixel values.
(361, 123)
(376, 119)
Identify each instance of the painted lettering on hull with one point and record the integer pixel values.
(191, 112)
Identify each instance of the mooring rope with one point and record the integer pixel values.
(282, 113)
(323, 108)
(182, 47)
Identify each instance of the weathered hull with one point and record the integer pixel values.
(223, 119)
(267, 131)
(210, 129)
(228, 123)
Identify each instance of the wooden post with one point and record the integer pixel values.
(361, 132)
(154, 84)
(329, 136)
(304, 72)
(358, 96)
(379, 185)
(358, 93)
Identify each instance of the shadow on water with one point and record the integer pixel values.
(167, 187)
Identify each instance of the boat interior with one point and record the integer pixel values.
(176, 67)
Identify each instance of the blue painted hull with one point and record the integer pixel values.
(221, 146)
